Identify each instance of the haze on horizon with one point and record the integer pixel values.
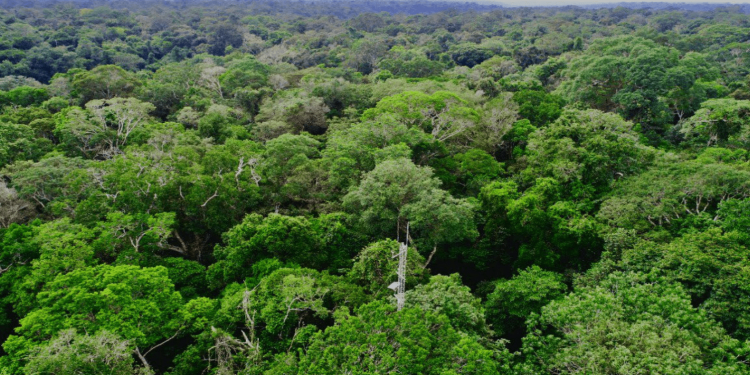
(589, 2)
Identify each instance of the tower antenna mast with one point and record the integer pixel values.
(400, 286)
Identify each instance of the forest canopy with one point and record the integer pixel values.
(223, 188)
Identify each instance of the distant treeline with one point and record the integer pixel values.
(338, 8)
(701, 7)
(346, 9)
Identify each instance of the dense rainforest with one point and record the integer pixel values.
(223, 188)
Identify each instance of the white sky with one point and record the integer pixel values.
(582, 2)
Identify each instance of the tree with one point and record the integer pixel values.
(284, 156)
(138, 304)
(397, 193)
(13, 209)
(410, 63)
(340, 95)
(369, 22)
(223, 37)
(18, 142)
(169, 87)
(59, 247)
(476, 168)
(301, 112)
(469, 54)
(629, 75)
(408, 341)
(671, 193)
(288, 300)
(208, 187)
(366, 52)
(376, 266)
(719, 122)
(538, 107)
(210, 73)
(71, 353)
(438, 218)
(24, 96)
(274, 314)
(628, 324)
(446, 295)
(443, 114)
(104, 82)
(17, 251)
(513, 301)
(711, 266)
(123, 234)
(498, 122)
(103, 129)
(732, 215)
(288, 239)
(546, 229)
(365, 144)
(386, 191)
(587, 148)
(243, 73)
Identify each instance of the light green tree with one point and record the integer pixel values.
(629, 323)
(409, 341)
(719, 122)
(103, 129)
(446, 295)
(398, 193)
(137, 304)
(104, 82)
(71, 353)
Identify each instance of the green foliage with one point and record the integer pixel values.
(710, 265)
(376, 265)
(719, 122)
(24, 96)
(126, 236)
(672, 193)
(628, 75)
(476, 168)
(188, 276)
(569, 234)
(513, 301)
(629, 323)
(433, 346)
(223, 188)
(283, 156)
(71, 353)
(289, 239)
(397, 193)
(137, 304)
(358, 148)
(18, 143)
(443, 114)
(446, 295)
(467, 54)
(104, 82)
(244, 73)
(323, 242)
(410, 63)
(538, 107)
(104, 128)
(588, 148)
(733, 215)
(280, 313)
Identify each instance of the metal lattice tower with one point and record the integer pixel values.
(400, 286)
(402, 252)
